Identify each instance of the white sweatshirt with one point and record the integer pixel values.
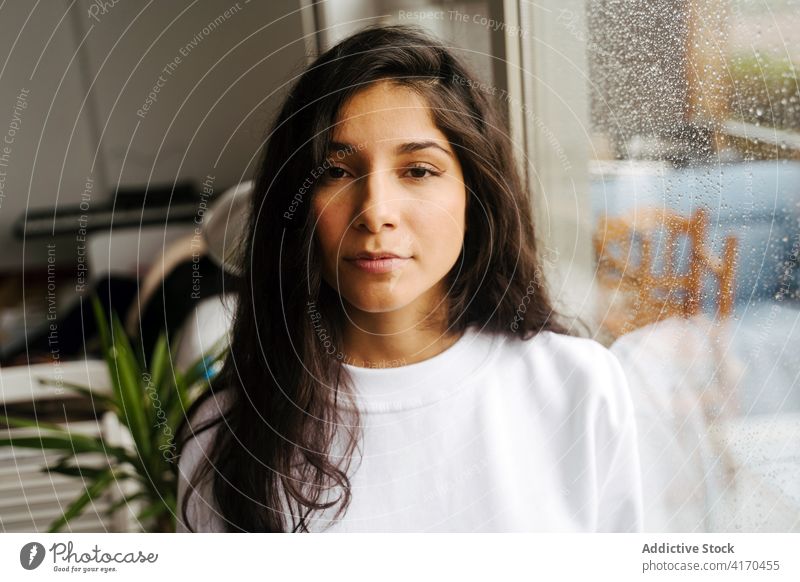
(492, 434)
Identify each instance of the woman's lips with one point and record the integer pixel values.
(385, 265)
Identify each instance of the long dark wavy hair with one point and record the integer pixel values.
(272, 458)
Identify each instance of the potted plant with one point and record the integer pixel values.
(149, 399)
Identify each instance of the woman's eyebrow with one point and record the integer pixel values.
(406, 148)
(414, 146)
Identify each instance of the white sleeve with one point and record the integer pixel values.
(620, 506)
(202, 513)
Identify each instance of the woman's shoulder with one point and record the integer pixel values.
(207, 407)
(582, 366)
(578, 352)
(216, 403)
(197, 449)
(200, 432)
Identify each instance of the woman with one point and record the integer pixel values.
(395, 363)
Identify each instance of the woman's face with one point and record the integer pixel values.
(392, 188)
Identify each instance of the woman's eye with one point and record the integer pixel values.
(421, 172)
(335, 173)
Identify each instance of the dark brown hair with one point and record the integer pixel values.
(271, 458)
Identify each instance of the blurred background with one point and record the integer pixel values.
(660, 140)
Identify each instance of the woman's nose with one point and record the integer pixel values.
(378, 202)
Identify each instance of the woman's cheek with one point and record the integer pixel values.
(328, 236)
(442, 223)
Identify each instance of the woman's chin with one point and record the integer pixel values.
(379, 304)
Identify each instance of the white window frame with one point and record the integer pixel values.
(547, 82)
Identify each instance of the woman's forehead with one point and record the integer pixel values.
(386, 115)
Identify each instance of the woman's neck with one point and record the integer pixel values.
(397, 338)
(369, 350)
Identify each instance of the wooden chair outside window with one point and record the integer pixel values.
(654, 263)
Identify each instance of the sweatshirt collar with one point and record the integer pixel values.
(413, 385)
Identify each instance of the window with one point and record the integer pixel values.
(694, 181)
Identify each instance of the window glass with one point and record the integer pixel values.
(695, 196)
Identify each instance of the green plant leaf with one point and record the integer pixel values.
(132, 388)
(137, 410)
(160, 362)
(162, 389)
(71, 443)
(126, 378)
(108, 351)
(107, 402)
(125, 501)
(76, 471)
(57, 437)
(76, 507)
(189, 385)
(28, 423)
(175, 402)
(65, 443)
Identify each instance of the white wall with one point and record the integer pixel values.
(52, 150)
(90, 72)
